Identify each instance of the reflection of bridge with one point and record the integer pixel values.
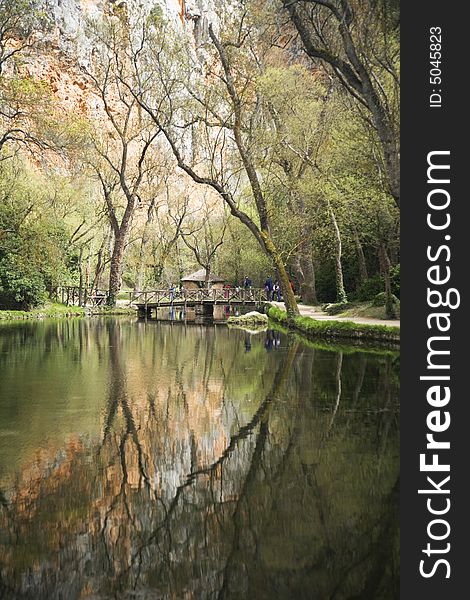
(207, 299)
(149, 300)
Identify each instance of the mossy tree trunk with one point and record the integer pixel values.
(361, 259)
(304, 271)
(385, 270)
(340, 291)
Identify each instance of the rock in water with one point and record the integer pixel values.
(252, 318)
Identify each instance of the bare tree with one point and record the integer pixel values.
(22, 101)
(203, 235)
(223, 118)
(124, 149)
(358, 40)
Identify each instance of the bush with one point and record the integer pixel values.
(334, 309)
(370, 288)
(381, 299)
(21, 286)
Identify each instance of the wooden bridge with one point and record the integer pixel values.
(149, 300)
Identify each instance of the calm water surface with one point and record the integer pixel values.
(147, 460)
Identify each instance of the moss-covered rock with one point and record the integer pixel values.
(252, 318)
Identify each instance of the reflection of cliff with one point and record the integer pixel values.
(217, 474)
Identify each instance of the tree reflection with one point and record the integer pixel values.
(218, 474)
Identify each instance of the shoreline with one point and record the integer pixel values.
(60, 311)
(336, 329)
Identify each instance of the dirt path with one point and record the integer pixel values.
(317, 313)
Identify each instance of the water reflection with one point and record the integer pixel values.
(218, 313)
(142, 460)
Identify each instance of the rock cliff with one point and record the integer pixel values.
(63, 46)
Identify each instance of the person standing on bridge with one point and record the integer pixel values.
(247, 286)
(172, 292)
(268, 287)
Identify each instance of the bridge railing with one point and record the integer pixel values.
(216, 295)
(76, 296)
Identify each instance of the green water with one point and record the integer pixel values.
(147, 460)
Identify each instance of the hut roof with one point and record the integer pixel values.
(201, 276)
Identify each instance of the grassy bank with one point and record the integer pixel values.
(368, 310)
(53, 310)
(336, 329)
(47, 311)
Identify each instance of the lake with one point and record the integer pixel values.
(158, 460)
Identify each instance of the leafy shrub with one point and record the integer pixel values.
(370, 288)
(21, 287)
(334, 309)
(381, 299)
(33, 247)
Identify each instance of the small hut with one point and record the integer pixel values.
(197, 280)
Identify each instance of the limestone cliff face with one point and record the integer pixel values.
(65, 47)
(69, 17)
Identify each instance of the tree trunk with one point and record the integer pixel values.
(117, 258)
(339, 368)
(80, 283)
(99, 268)
(115, 272)
(302, 266)
(340, 291)
(361, 259)
(284, 282)
(308, 288)
(385, 269)
(139, 280)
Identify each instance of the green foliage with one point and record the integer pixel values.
(241, 255)
(156, 16)
(51, 310)
(381, 299)
(325, 281)
(20, 287)
(395, 280)
(33, 247)
(370, 288)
